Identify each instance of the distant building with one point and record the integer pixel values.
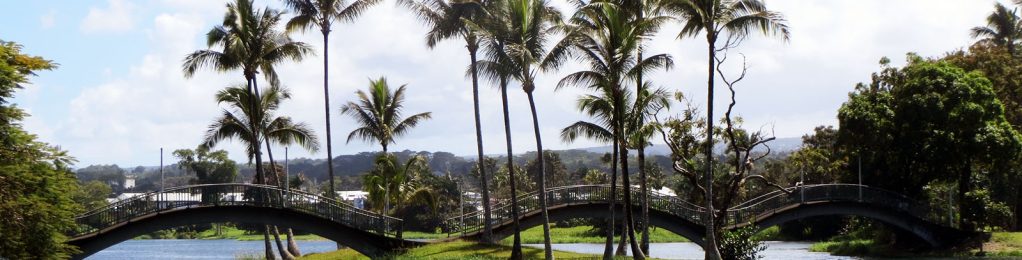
(356, 197)
(129, 182)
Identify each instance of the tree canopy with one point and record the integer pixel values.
(36, 182)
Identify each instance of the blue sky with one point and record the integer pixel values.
(119, 95)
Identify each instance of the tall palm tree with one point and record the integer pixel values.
(378, 115)
(322, 14)
(647, 102)
(737, 18)
(446, 21)
(1004, 27)
(247, 39)
(600, 107)
(527, 24)
(283, 131)
(237, 124)
(606, 37)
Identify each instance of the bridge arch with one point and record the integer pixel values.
(934, 235)
(365, 232)
(581, 201)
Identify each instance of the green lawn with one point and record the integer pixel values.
(237, 234)
(454, 250)
(582, 234)
(1001, 244)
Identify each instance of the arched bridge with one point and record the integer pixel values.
(373, 234)
(687, 219)
(369, 233)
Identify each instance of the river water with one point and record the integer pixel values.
(230, 249)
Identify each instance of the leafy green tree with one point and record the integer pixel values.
(557, 174)
(820, 159)
(92, 195)
(36, 182)
(1004, 28)
(445, 21)
(738, 19)
(209, 167)
(929, 121)
(392, 181)
(322, 14)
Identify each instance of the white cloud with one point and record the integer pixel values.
(792, 86)
(48, 20)
(116, 17)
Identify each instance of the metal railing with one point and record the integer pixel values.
(567, 195)
(213, 195)
(777, 200)
(745, 212)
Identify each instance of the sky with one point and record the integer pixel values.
(119, 95)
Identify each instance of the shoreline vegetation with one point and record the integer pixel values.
(1001, 244)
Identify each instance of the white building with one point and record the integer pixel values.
(356, 197)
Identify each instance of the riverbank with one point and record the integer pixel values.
(1001, 244)
(454, 250)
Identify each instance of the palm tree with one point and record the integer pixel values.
(527, 24)
(1004, 27)
(237, 125)
(322, 14)
(606, 37)
(600, 107)
(647, 102)
(446, 21)
(391, 181)
(379, 116)
(738, 18)
(248, 40)
(284, 131)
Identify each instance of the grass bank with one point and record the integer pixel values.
(454, 250)
(1001, 244)
(563, 235)
(227, 232)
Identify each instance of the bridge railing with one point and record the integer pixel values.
(213, 195)
(777, 200)
(568, 195)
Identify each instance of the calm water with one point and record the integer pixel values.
(230, 249)
(152, 249)
(775, 250)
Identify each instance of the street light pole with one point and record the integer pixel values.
(860, 177)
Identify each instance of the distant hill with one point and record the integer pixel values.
(778, 146)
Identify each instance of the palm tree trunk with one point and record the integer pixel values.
(712, 252)
(260, 179)
(627, 183)
(608, 250)
(266, 242)
(642, 155)
(487, 232)
(326, 106)
(548, 249)
(516, 247)
(621, 251)
(645, 197)
(284, 254)
(292, 245)
(280, 246)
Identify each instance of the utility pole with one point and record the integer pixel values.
(860, 177)
(802, 183)
(287, 174)
(161, 169)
